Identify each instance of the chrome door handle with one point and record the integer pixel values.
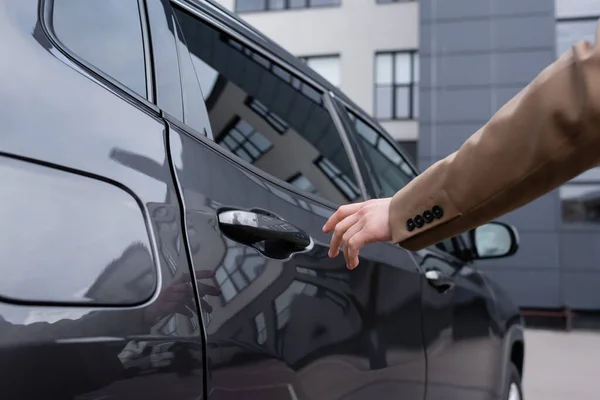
(439, 280)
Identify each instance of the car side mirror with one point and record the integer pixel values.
(494, 240)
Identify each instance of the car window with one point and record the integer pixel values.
(106, 34)
(268, 116)
(391, 172)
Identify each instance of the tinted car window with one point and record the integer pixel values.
(107, 34)
(391, 171)
(267, 116)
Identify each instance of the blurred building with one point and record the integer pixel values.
(475, 56)
(368, 48)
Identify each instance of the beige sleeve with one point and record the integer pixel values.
(546, 135)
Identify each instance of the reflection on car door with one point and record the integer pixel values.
(92, 240)
(463, 349)
(290, 322)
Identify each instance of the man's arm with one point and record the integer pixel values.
(546, 135)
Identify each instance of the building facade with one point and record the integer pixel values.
(368, 48)
(475, 56)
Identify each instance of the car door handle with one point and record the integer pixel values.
(269, 234)
(440, 281)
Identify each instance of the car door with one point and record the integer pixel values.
(461, 334)
(258, 182)
(95, 299)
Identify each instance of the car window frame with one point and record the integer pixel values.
(96, 74)
(206, 17)
(342, 108)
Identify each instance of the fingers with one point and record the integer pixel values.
(346, 238)
(340, 214)
(355, 243)
(339, 232)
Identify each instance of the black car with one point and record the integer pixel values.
(165, 174)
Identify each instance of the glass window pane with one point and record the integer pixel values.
(389, 152)
(249, 5)
(107, 34)
(365, 131)
(303, 183)
(580, 203)
(253, 151)
(276, 4)
(383, 69)
(415, 101)
(244, 155)
(260, 142)
(577, 8)
(403, 102)
(221, 275)
(298, 3)
(391, 170)
(383, 102)
(230, 143)
(416, 66)
(244, 127)
(570, 32)
(327, 67)
(310, 131)
(228, 291)
(403, 68)
(239, 280)
(317, 3)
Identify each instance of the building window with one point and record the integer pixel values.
(261, 328)
(396, 85)
(326, 66)
(580, 199)
(245, 141)
(275, 5)
(303, 183)
(272, 119)
(240, 267)
(339, 179)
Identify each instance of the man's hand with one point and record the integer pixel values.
(356, 225)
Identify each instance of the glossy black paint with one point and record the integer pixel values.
(54, 114)
(220, 319)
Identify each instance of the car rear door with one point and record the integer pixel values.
(461, 331)
(95, 297)
(258, 181)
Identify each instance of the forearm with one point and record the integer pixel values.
(544, 136)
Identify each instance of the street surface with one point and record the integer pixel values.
(561, 365)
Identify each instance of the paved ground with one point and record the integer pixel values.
(562, 366)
